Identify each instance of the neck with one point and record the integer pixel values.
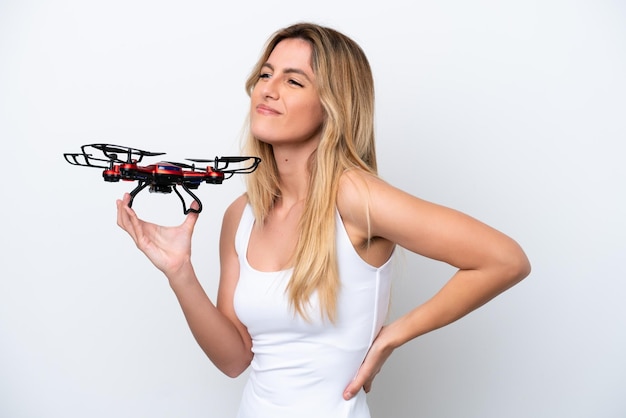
(292, 163)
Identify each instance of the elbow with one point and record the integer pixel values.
(526, 268)
(233, 372)
(517, 267)
(235, 368)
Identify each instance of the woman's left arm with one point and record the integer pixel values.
(488, 262)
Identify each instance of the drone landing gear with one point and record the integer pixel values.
(156, 188)
(185, 210)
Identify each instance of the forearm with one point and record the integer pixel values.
(215, 332)
(466, 291)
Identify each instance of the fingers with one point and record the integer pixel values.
(371, 366)
(360, 381)
(122, 213)
(119, 203)
(350, 392)
(368, 386)
(192, 217)
(127, 218)
(126, 215)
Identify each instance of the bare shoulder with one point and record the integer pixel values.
(235, 209)
(232, 215)
(354, 193)
(356, 197)
(361, 195)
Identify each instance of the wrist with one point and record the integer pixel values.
(387, 340)
(394, 335)
(182, 275)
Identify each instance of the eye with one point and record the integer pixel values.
(295, 83)
(264, 75)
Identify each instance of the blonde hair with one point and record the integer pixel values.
(346, 89)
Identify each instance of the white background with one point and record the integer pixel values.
(513, 112)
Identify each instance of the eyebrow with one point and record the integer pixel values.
(288, 71)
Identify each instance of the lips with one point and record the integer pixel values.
(266, 110)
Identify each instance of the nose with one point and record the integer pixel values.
(269, 89)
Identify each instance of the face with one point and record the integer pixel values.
(285, 105)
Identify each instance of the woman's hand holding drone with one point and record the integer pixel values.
(168, 248)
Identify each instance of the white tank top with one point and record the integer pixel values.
(300, 369)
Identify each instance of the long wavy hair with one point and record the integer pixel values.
(346, 90)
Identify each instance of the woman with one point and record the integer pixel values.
(305, 254)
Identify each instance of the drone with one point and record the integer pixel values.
(122, 163)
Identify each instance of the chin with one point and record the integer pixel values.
(262, 134)
(267, 137)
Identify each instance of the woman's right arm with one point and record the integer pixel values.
(216, 328)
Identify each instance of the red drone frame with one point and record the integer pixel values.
(163, 176)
